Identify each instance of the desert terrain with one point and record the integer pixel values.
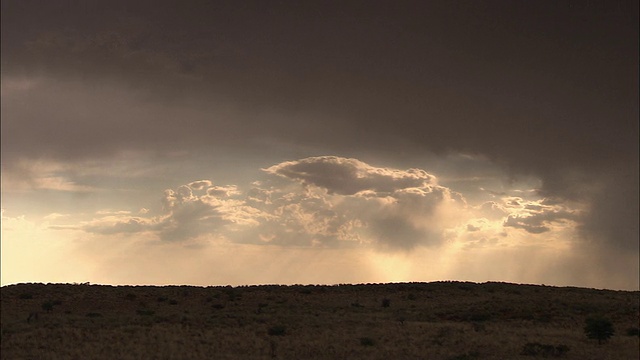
(440, 320)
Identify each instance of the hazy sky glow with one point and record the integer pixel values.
(251, 142)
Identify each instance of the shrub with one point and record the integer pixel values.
(467, 356)
(479, 317)
(478, 327)
(367, 341)
(161, 319)
(598, 328)
(386, 303)
(545, 317)
(145, 312)
(47, 306)
(232, 294)
(633, 331)
(544, 350)
(32, 316)
(277, 330)
(561, 349)
(26, 296)
(260, 307)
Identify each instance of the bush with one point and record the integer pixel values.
(478, 327)
(633, 331)
(467, 356)
(598, 328)
(544, 350)
(26, 296)
(367, 341)
(561, 350)
(479, 317)
(145, 312)
(47, 306)
(277, 330)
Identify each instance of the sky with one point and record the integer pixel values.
(320, 142)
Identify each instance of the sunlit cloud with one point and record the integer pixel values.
(300, 205)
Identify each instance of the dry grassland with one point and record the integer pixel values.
(443, 320)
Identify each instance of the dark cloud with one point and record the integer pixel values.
(613, 219)
(540, 86)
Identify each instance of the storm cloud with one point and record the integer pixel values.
(542, 90)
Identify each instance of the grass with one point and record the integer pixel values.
(443, 320)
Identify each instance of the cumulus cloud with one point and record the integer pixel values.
(535, 223)
(331, 201)
(349, 176)
(324, 201)
(200, 184)
(536, 218)
(390, 208)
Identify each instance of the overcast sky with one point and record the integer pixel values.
(251, 142)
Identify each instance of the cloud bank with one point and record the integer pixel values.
(402, 225)
(332, 201)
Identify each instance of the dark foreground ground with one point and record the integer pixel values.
(444, 320)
